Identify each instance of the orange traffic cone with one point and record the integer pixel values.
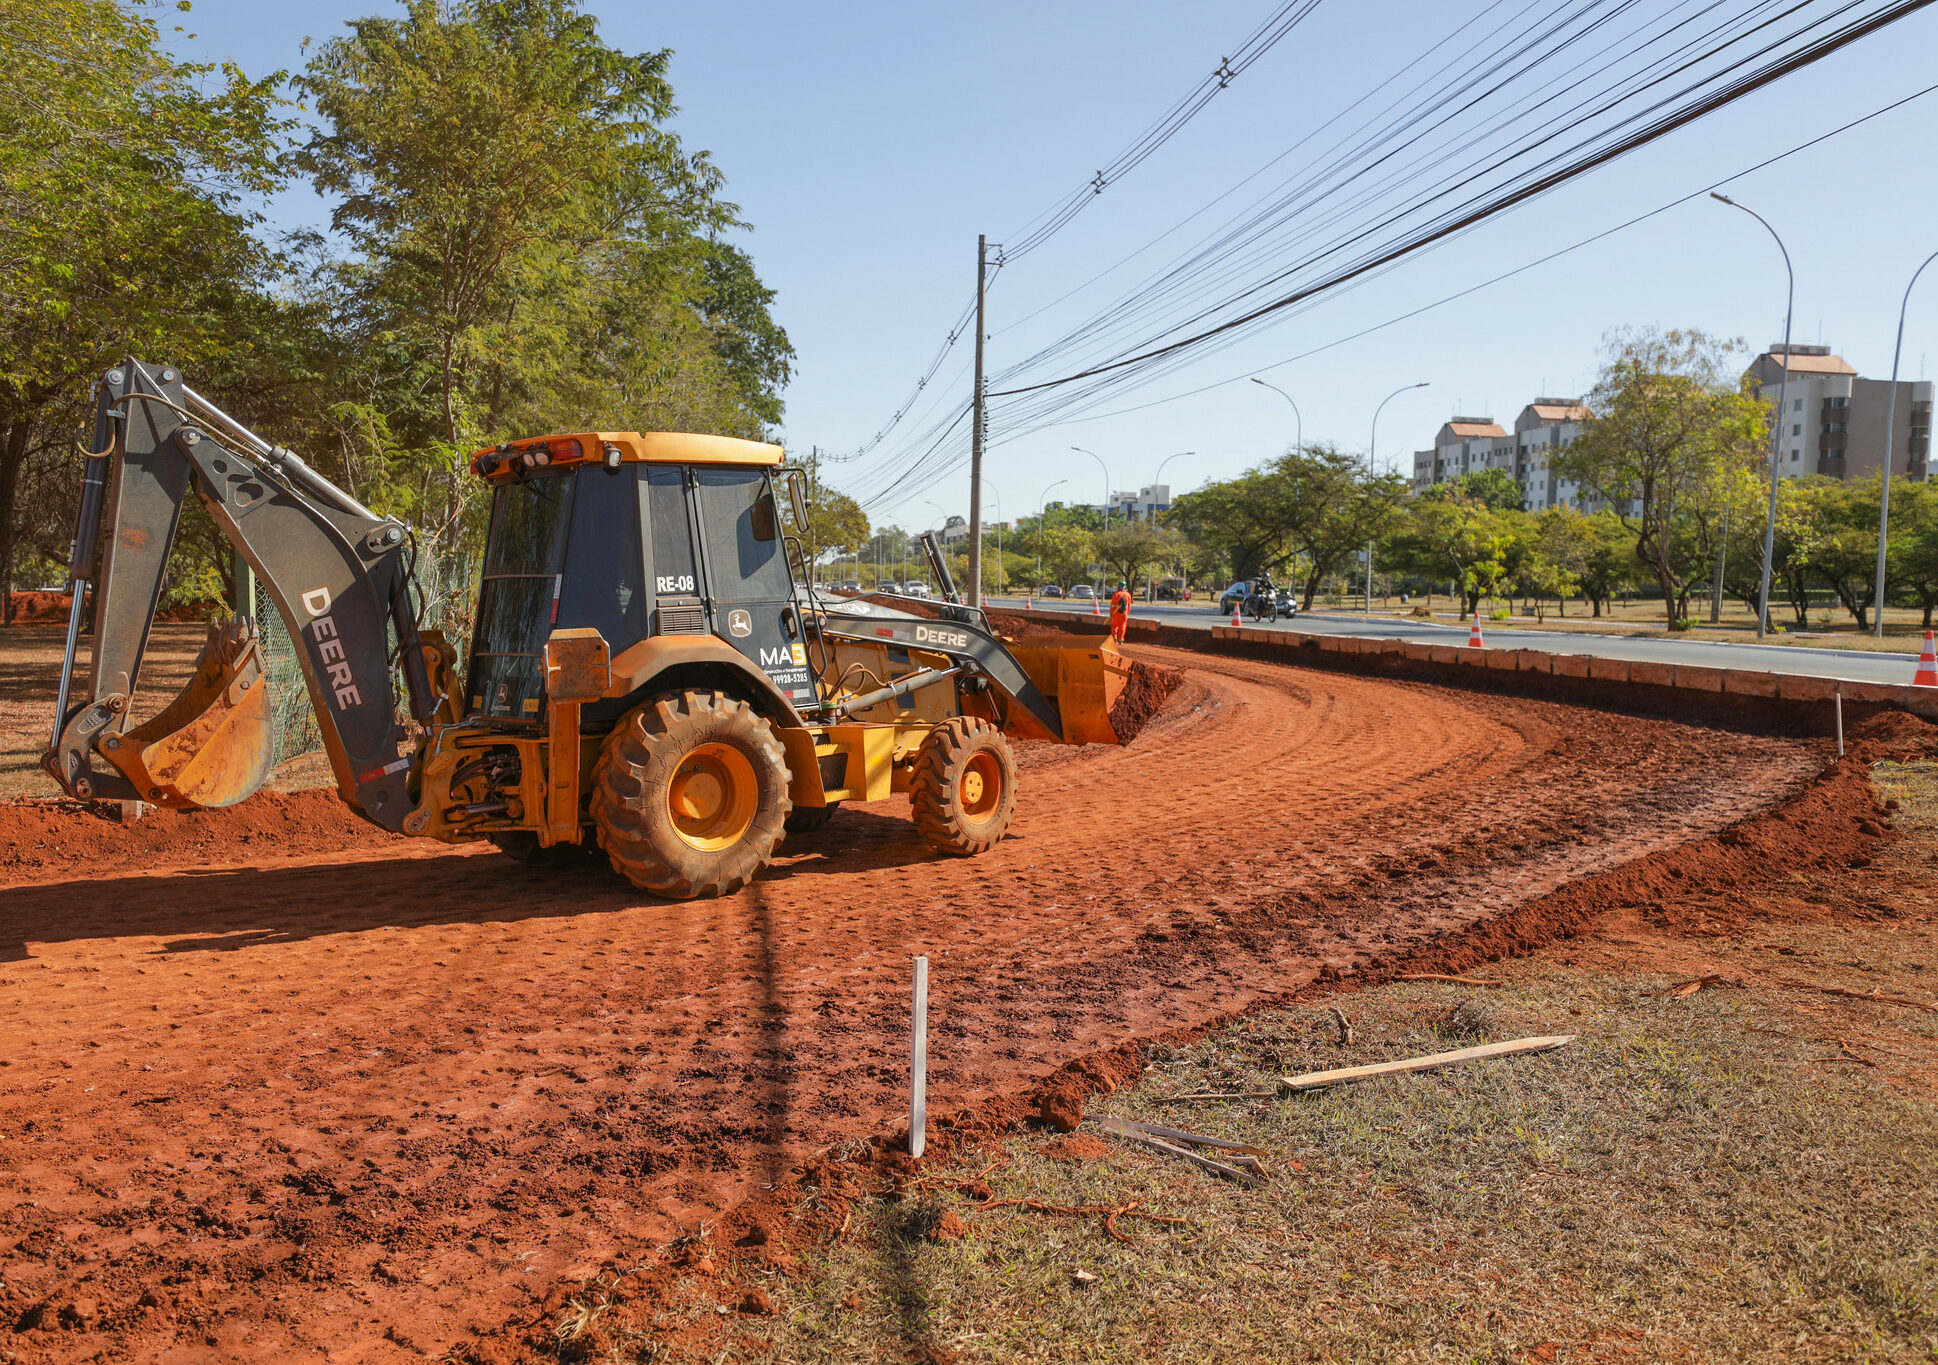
(1093, 606)
(1473, 636)
(1927, 675)
(1234, 613)
(1029, 599)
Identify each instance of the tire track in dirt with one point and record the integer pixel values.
(304, 1105)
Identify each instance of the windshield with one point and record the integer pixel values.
(524, 551)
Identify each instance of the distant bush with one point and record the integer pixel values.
(1499, 614)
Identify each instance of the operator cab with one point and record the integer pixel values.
(634, 536)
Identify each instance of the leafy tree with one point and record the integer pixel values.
(1913, 547)
(1610, 563)
(1670, 427)
(1845, 552)
(1451, 537)
(1496, 488)
(1067, 551)
(123, 179)
(1126, 548)
(754, 349)
(1559, 544)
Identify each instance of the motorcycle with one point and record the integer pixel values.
(1262, 606)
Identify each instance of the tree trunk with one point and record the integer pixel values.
(13, 455)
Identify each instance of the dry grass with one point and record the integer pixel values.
(1742, 1174)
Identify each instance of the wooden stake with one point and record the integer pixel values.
(918, 1063)
(1457, 980)
(1316, 1080)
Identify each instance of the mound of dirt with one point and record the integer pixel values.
(1022, 628)
(40, 608)
(1897, 736)
(41, 840)
(1145, 692)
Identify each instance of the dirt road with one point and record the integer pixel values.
(378, 1098)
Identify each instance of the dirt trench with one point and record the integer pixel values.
(381, 1098)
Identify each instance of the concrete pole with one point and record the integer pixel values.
(978, 431)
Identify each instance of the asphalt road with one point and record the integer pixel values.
(1849, 664)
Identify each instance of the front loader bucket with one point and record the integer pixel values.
(1083, 675)
(214, 744)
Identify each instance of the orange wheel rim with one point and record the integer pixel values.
(980, 788)
(712, 798)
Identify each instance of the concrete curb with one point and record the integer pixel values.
(1791, 699)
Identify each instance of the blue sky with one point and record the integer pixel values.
(868, 144)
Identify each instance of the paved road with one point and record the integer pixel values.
(1852, 665)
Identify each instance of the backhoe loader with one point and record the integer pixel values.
(650, 674)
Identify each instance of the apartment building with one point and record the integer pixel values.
(1833, 419)
(1468, 445)
(1142, 505)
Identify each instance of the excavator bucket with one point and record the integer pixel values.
(215, 743)
(1083, 675)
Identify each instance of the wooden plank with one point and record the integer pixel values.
(1316, 1080)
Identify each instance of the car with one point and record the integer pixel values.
(916, 590)
(849, 586)
(1233, 597)
(1049, 590)
(1083, 592)
(1170, 590)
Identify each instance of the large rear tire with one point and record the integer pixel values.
(690, 795)
(963, 791)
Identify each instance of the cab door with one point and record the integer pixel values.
(749, 585)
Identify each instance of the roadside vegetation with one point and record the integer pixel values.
(1734, 1171)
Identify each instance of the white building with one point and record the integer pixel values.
(1833, 420)
(1142, 505)
(1468, 445)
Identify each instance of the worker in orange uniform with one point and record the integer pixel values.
(1120, 611)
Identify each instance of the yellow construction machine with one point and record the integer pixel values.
(649, 673)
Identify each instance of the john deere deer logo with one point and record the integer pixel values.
(739, 622)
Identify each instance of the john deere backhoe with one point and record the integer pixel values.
(648, 674)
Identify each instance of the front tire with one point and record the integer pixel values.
(963, 791)
(690, 795)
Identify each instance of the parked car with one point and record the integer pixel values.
(1083, 592)
(1170, 590)
(1049, 590)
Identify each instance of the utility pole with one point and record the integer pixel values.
(978, 428)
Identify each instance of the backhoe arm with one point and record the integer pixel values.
(336, 571)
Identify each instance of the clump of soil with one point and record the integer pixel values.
(1145, 692)
(39, 839)
(1022, 628)
(1061, 1109)
(1077, 1147)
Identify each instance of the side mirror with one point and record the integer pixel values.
(799, 501)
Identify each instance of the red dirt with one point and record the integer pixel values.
(380, 1104)
(46, 840)
(38, 608)
(1077, 1147)
(1145, 691)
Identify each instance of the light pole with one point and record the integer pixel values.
(1150, 588)
(1298, 442)
(1890, 416)
(1106, 468)
(1041, 502)
(1372, 447)
(1776, 428)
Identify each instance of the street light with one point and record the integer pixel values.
(1298, 442)
(1890, 416)
(1776, 428)
(1106, 468)
(1150, 588)
(1372, 446)
(1040, 504)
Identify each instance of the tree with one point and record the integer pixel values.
(1845, 552)
(123, 176)
(1560, 543)
(1449, 536)
(529, 234)
(1913, 545)
(1670, 427)
(1125, 549)
(1067, 551)
(1610, 564)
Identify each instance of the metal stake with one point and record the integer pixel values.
(918, 1063)
(1837, 698)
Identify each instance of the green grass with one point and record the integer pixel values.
(1688, 1181)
